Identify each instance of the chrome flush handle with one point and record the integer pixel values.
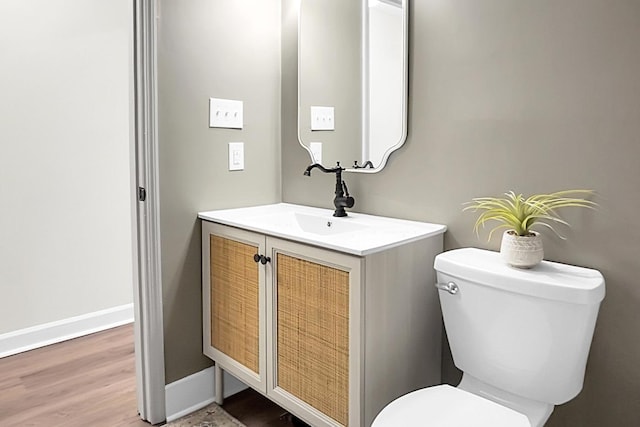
(450, 287)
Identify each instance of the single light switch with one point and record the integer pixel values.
(225, 113)
(322, 118)
(316, 151)
(236, 156)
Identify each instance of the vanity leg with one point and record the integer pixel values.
(219, 384)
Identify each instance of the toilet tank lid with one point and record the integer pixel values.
(550, 280)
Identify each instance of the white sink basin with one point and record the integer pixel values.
(323, 224)
(320, 224)
(357, 233)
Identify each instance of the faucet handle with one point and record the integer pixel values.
(346, 190)
(349, 201)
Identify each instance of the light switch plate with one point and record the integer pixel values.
(225, 113)
(236, 156)
(322, 118)
(316, 151)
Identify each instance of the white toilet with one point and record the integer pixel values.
(521, 338)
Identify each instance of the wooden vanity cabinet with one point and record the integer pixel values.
(329, 336)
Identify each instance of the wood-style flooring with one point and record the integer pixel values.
(90, 381)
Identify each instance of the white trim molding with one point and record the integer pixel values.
(149, 331)
(196, 391)
(61, 330)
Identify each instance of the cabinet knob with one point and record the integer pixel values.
(261, 258)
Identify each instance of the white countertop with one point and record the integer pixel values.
(357, 234)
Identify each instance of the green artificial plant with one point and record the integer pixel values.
(520, 214)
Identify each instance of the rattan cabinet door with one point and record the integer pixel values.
(234, 302)
(312, 334)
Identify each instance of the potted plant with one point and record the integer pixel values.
(521, 246)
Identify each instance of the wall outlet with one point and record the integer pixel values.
(225, 113)
(322, 118)
(316, 151)
(236, 156)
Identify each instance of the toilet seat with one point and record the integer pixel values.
(446, 406)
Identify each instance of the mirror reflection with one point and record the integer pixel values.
(352, 81)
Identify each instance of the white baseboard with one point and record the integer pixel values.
(196, 391)
(50, 333)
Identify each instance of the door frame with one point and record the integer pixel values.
(148, 325)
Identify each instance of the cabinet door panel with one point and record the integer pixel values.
(313, 334)
(234, 297)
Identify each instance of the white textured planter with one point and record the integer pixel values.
(521, 251)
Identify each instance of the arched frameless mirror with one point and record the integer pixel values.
(352, 81)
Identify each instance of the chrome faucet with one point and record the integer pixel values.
(342, 199)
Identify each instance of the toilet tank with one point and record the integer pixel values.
(527, 332)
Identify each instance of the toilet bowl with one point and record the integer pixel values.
(520, 337)
(444, 405)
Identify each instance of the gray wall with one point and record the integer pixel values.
(533, 96)
(65, 182)
(221, 49)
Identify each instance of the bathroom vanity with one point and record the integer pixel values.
(331, 318)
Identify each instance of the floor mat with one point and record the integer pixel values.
(209, 416)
